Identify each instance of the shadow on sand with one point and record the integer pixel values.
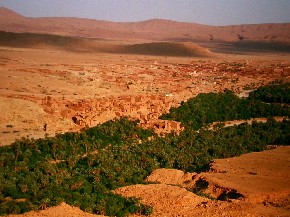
(244, 47)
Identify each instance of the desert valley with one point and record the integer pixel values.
(61, 78)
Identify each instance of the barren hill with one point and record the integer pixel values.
(161, 30)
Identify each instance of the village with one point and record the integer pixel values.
(71, 93)
(85, 95)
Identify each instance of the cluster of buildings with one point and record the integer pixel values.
(91, 112)
(151, 90)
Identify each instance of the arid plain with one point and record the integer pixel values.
(63, 74)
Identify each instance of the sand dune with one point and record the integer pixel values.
(155, 29)
(31, 40)
(166, 49)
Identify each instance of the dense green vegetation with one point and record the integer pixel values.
(275, 92)
(83, 168)
(78, 168)
(207, 108)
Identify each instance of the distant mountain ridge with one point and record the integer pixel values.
(151, 30)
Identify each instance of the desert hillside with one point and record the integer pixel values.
(155, 29)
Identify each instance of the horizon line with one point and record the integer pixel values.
(138, 21)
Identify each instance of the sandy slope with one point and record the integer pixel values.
(31, 40)
(260, 177)
(61, 210)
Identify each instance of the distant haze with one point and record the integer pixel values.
(210, 12)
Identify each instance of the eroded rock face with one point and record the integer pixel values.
(167, 200)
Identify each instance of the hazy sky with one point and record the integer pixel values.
(211, 12)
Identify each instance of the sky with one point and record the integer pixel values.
(210, 12)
